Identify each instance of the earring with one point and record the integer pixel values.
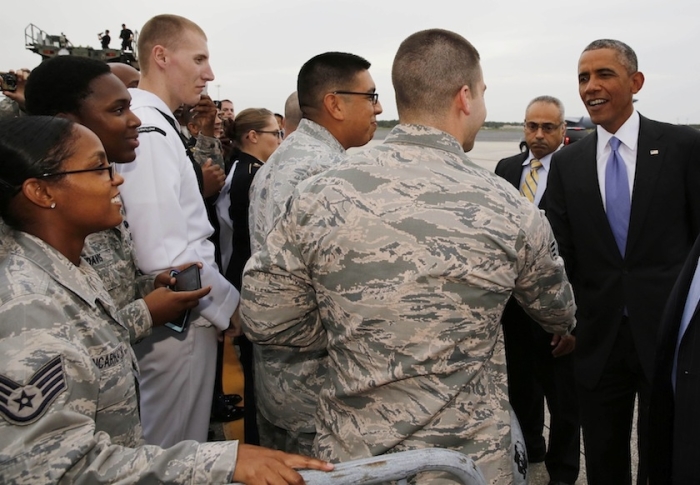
(53, 205)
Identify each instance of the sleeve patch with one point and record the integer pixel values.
(24, 404)
(554, 249)
(151, 129)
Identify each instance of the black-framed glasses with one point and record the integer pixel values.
(109, 167)
(277, 133)
(373, 97)
(547, 128)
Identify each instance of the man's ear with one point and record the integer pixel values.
(334, 106)
(637, 82)
(160, 55)
(463, 100)
(38, 193)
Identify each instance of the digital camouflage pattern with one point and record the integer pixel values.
(68, 408)
(409, 253)
(309, 150)
(287, 382)
(9, 109)
(208, 147)
(111, 255)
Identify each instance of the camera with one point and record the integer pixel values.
(8, 81)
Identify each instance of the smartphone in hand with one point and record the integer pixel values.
(186, 280)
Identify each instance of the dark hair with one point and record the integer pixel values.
(61, 84)
(30, 146)
(625, 54)
(429, 69)
(325, 73)
(248, 119)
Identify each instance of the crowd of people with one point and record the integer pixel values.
(394, 299)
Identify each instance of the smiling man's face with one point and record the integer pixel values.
(606, 87)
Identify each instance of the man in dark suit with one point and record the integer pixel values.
(535, 365)
(674, 425)
(624, 205)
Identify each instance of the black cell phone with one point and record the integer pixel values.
(217, 104)
(186, 280)
(8, 81)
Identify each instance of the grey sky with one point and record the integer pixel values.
(528, 48)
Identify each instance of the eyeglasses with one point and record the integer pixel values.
(547, 128)
(109, 167)
(277, 133)
(373, 97)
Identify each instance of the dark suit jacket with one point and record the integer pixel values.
(674, 420)
(664, 222)
(511, 169)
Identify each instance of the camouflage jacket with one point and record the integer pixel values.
(9, 109)
(311, 149)
(409, 252)
(111, 254)
(287, 382)
(68, 407)
(208, 147)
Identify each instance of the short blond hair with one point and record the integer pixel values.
(165, 30)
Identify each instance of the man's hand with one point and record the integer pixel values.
(18, 94)
(261, 466)
(213, 178)
(563, 344)
(206, 111)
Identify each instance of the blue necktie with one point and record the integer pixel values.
(617, 196)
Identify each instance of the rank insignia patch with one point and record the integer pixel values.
(24, 404)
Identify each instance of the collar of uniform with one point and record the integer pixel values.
(426, 136)
(57, 266)
(140, 98)
(318, 132)
(248, 158)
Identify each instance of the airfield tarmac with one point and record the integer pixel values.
(490, 145)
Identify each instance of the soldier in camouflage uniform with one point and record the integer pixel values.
(68, 405)
(409, 253)
(288, 381)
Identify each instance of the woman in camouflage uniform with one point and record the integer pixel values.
(68, 406)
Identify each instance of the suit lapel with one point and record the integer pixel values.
(515, 171)
(650, 155)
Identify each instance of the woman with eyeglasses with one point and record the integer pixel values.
(86, 91)
(68, 398)
(256, 135)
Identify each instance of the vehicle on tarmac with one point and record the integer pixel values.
(48, 46)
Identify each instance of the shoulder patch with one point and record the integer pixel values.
(24, 404)
(554, 249)
(151, 129)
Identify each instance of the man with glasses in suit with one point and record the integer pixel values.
(537, 367)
